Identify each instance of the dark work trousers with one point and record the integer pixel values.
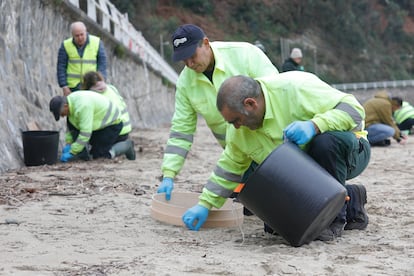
(101, 140)
(342, 154)
(406, 124)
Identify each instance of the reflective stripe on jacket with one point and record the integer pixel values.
(405, 112)
(195, 94)
(89, 111)
(291, 96)
(113, 95)
(78, 66)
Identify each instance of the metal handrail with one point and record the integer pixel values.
(373, 85)
(105, 14)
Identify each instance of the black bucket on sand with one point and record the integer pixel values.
(291, 193)
(40, 147)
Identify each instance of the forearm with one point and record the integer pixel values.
(101, 60)
(62, 64)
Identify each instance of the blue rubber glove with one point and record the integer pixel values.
(66, 148)
(195, 215)
(300, 132)
(67, 156)
(166, 187)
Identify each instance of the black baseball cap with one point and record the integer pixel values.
(55, 106)
(185, 41)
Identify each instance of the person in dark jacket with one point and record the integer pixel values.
(294, 61)
(80, 53)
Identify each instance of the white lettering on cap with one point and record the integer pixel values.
(179, 41)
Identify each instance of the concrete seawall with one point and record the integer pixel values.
(31, 32)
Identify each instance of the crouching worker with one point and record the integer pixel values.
(94, 81)
(92, 120)
(326, 123)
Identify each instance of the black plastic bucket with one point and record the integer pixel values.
(40, 147)
(291, 193)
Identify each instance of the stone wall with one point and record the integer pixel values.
(31, 32)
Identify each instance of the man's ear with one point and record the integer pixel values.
(66, 108)
(250, 103)
(206, 41)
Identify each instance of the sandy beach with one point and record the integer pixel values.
(93, 218)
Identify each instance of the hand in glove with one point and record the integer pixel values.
(67, 156)
(66, 148)
(300, 132)
(195, 215)
(166, 187)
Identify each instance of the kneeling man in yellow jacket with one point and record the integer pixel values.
(92, 120)
(324, 122)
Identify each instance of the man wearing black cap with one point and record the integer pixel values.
(208, 64)
(94, 120)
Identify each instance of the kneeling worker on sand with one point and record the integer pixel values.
(94, 81)
(326, 123)
(379, 121)
(92, 120)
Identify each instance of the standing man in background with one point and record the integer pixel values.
(208, 64)
(77, 55)
(293, 63)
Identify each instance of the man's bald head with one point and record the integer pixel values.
(235, 90)
(79, 33)
(241, 102)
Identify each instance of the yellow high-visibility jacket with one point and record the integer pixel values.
(89, 111)
(405, 112)
(291, 96)
(113, 94)
(195, 94)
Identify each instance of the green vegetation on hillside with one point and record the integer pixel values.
(344, 41)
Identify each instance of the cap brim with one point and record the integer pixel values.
(56, 114)
(184, 52)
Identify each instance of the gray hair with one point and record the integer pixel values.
(77, 24)
(235, 90)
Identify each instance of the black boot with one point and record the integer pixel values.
(336, 228)
(332, 232)
(83, 155)
(356, 216)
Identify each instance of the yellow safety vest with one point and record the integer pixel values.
(78, 66)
